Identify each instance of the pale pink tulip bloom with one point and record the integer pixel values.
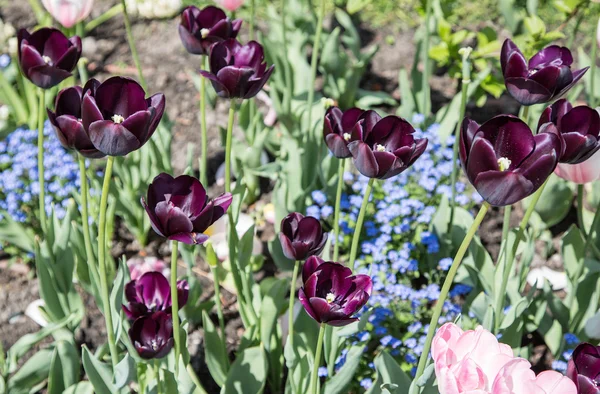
(69, 12)
(230, 5)
(581, 173)
(517, 378)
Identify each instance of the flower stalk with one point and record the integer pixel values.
(89, 252)
(175, 305)
(313, 66)
(359, 223)
(132, 48)
(580, 210)
(111, 13)
(291, 305)
(40, 157)
(204, 133)
(338, 202)
(314, 383)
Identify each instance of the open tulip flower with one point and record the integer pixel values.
(581, 173)
(546, 77)
(180, 210)
(118, 117)
(66, 121)
(236, 70)
(579, 130)
(151, 293)
(383, 148)
(47, 56)
(331, 294)
(584, 368)
(152, 335)
(504, 160)
(199, 29)
(301, 237)
(337, 130)
(474, 362)
(68, 12)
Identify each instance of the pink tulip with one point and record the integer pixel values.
(474, 362)
(230, 5)
(69, 12)
(581, 173)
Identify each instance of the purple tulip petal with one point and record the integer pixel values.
(481, 158)
(510, 137)
(364, 160)
(287, 247)
(516, 66)
(467, 133)
(306, 304)
(310, 266)
(219, 87)
(508, 48)
(172, 219)
(500, 188)
(158, 102)
(112, 138)
(553, 54)
(137, 124)
(338, 146)
(154, 221)
(255, 86)
(527, 91)
(342, 322)
(548, 77)
(120, 96)
(46, 76)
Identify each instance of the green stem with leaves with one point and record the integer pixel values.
(437, 310)
(204, 133)
(217, 301)
(87, 240)
(111, 13)
(425, 55)
(40, 157)
(359, 223)
(291, 304)
(594, 56)
(132, 48)
(313, 67)
(13, 99)
(159, 384)
(175, 305)
(338, 203)
(580, 209)
(314, 379)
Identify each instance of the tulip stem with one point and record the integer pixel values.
(132, 48)
(89, 252)
(318, 350)
(175, 304)
(204, 138)
(159, 385)
(425, 83)
(104, 291)
(291, 305)
(81, 63)
(217, 300)
(251, 27)
(40, 143)
(580, 210)
(336, 216)
(111, 13)
(594, 55)
(359, 223)
(437, 310)
(313, 67)
(228, 143)
(524, 115)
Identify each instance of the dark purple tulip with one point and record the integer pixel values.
(180, 210)
(152, 335)
(117, 115)
(236, 70)
(547, 75)
(67, 123)
(584, 368)
(301, 237)
(337, 129)
(579, 129)
(504, 160)
(383, 148)
(47, 56)
(199, 29)
(331, 294)
(152, 293)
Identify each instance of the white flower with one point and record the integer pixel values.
(218, 235)
(151, 9)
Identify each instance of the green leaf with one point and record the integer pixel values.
(83, 387)
(16, 234)
(125, 371)
(389, 372)
(245, 248)
(248, 373)
(34, 371)
(555, 202)
(271, 304)
(353, 6)
(64, 367)
(214, 351)
(338, 383)
(572, 251)
(98, 373)
(116, 298)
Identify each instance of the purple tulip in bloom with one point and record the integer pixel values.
(117, 115)
(383, 148)
(546, 77)
(199, 29)
(301, 237)
(331, 294)
(337, 129)
(152, 293)
(152, 335)
(47, 56)
(584, 368)
(579, 129)
(180, 210)
(67, 123)
(236, 70)
(504, 160)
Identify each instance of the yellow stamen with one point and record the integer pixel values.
(504, 163)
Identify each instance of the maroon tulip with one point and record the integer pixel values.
(180, 210)
(331, 294)
(67, 123)
(579, 129)
(152, 335)
(546, 77)
(504, 160)
(337, 130)
(301, 237)
(47, 56)
(152, 293)
(584, 368)
(236, 70)
(117, 116)
(383, 148)
(199, 29)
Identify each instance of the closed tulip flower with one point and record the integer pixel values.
(331, 294)
(383, 148)
(301, 237)
(236, 70)
(199, 29)
(180, 210)
(504, 160)
(152, 335)
(47, 56)
(151, 293)
(66, 121)
(118, 117)
(579, 130)
(581, 173)
(337, 130)
(69, 12)
(545, 77)
(584, 368)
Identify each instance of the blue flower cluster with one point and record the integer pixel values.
(19, 186)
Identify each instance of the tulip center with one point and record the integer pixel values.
(379, 148)
(330, 298)
(204, 32)
(117, 119)
(154, 344)
(47, 59)
(504, 163)
(347, 136)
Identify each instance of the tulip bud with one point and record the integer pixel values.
(68, 13)
(200, 29)
(152, 335)
(584, 368)
(151, 293)
(301, 237)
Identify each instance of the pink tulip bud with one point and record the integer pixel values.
(69, 12)
(230, 5)
(581, 173)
